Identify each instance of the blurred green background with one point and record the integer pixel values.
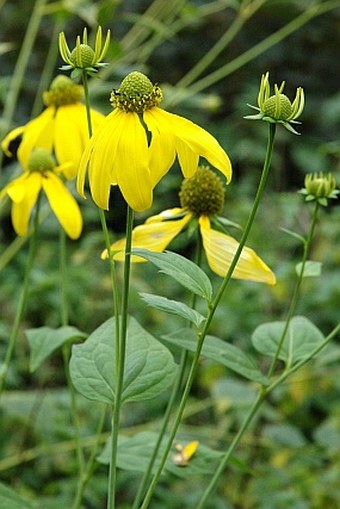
(292, 449)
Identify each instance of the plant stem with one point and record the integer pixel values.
(212, 309)
(263, 392)
(20, 67)
(66, 357)
(173, 396)
(22, 298)
(121, 361)
(296, 293)
(257, 49)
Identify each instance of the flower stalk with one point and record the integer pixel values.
(212, 309)
(22, 298)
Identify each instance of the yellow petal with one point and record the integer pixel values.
(220, 250)
(63, 205)
(13, 135)
(192, 140)
(99, 156)
(132, 164)
(166, 214)
(21, 210)
(152, 236)
(71, 134)
(39, 133)
(162, 151)
(16, 189)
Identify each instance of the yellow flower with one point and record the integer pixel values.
(61, 128)
(138, 142)
(158, 231)
(41, 174)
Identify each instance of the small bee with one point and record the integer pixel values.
(183, 455)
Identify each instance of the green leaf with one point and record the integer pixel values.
(10, 500)
(301, 338)
(173, 307)
(219, 351)
(311, 269)
(149, 366)
(135, 452)
(184, 271)
(43, 341)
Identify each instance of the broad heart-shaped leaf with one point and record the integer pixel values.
(173, 307)
(149, 365)
(10, 500)
(220, 351)
(43, 341)
(135, 452)
(184, 271)
(301, 338)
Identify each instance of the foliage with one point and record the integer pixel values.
(208, 58)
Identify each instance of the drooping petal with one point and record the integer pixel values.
(154, 236)
(99, 157)
(132, 164)
(220, 250)
(162, 148)
(39, 133)
(63, 205)
(71, 134)
(21, 210)
(16, 189)
(167, 214)
(11, 136)
(195, 139)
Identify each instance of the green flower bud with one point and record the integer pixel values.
(320, 187)
(83, 56)
(203, 193)
(278, 108)
(136, 93)
(41, 160)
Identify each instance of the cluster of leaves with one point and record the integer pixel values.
(288, 457)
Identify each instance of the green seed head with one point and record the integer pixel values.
(278, 107)
(41, 160)
(203, 193)
(82, 56)
(62, 91)
(136, 93)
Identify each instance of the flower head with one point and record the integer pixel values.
(61, 128)
(320, 187)
(137, 144)
(83, 57)
(278, 108)
(42, 174)
(158, 231)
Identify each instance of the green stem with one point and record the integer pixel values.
(87, 473)
(49, 66)
(172, 399)
(296, 293)
(264, 391)
(212, 309)
(245, 12)
(22, 298)
(257, 49)
(120, 328)
(66, 357)
(121, 361)
(20, 67)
